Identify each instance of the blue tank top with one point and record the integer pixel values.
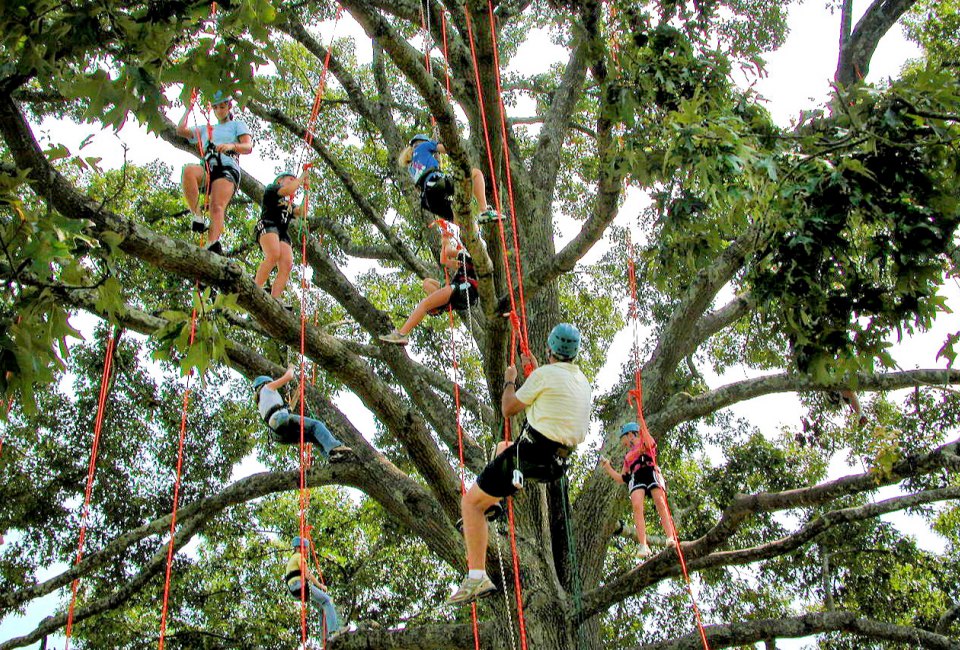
(423, 160)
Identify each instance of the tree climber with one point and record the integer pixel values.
(556, 398)
(848, 397)
(285, 426)
(642, 476)
(460, 292)
(436, 188)
(220, 173)
(316, 591)
(271, 231)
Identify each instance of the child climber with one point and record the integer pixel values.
(315, 591)
(286, 426)
(459, 293)
(642, 476)
(271, 232)
(436, 188)
(222, 144)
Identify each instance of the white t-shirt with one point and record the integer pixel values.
(558, 398)
(267, 400)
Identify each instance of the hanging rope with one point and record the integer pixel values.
(518, 326)
(456, 402)
(518, 323)
(176, 487)
(635, 397)
(91, 470)
(305, 458)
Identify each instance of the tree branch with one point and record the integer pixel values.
(749, 632)
(744, 506)
(683, 408)
(858, 49)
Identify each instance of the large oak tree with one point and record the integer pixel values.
(795, 253)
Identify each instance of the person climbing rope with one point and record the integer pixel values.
(219, 176)
(460, 292)
(436, 188)
(271, 232)
(316, 591)
(285, 426)
(848, 397)
(642, 476)
(557, 400)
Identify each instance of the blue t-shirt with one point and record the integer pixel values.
(423, 160)
(223, 133)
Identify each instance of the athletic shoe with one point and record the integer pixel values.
(339, 453)
(644, 552)
(215, 247)
(396, 338)
(472, 589)
(672, 543)
(488, 216)
(198, 225)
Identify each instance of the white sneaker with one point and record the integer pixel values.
(644, 552)
(395, 337)
(471, 589)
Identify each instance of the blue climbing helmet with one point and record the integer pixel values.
(420, 137)
(219, 97)
(260, 381)
(298, 542)
(564, 341)
(629, 427)
(283, 175)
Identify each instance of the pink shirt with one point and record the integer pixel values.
(634, 453)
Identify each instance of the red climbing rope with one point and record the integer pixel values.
(456, 402)
(91, 470)
(176, 488)
(304, 499)
(518, 325)
(635, 397)
(304, 491)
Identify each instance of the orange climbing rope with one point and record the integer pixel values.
(305, 452)
(91, 470)
(176, 488)
(456, 402)
(518, 324)
(635, 397)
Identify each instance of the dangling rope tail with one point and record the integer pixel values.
(176, 486)
(91, 470)
(635, 397)
(304, 451)
(519, 327)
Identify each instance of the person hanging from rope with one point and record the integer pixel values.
(642, 477)
(556, 398)
(460, 292)
(316, 591)
(848, 397)
(219, 175)
(285, 426)
(436, 188)
(271, 231)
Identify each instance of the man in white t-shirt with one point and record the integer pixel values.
(557, 400)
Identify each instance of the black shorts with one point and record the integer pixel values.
(646, 479)
(217, 172)
(264, 227)
(464, 295)
(541, 460)
(436, 195)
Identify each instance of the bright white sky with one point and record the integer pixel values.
(798, 78)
